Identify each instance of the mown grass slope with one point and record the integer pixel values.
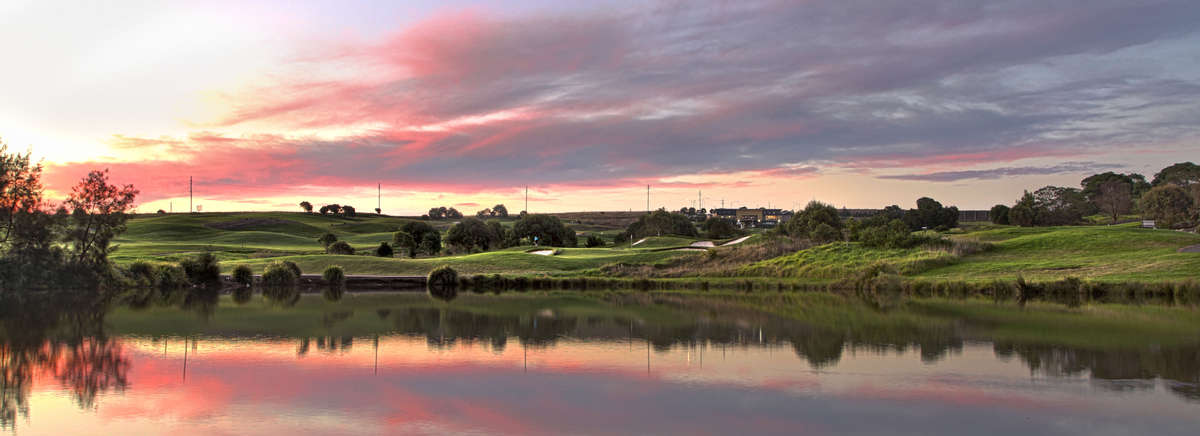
(1106, 253)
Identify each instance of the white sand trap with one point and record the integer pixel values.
(542, 252)
(639, 242)
(703, 244)
(736, 241)
(691, 249)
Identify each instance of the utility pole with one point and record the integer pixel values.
(526, 198)
(699, 198)
(189, 194)
(647, 198)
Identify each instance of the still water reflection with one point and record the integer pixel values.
(608, 364)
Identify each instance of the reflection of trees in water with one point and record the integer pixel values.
(819, 346)
(1120, 370)
(61, 335)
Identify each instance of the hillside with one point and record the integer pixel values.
(257, 239)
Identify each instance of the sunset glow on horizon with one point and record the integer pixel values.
(465, 103)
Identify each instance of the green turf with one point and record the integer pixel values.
(1106, 253)
(840, 259)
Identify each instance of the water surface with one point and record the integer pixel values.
(606, 364)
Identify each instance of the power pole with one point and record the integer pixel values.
(647, 198)
(699, 198)
(526, 198)
(189, 194)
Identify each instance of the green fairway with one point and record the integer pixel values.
(257, 239)
(1106, 253)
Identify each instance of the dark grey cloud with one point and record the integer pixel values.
(679, 87)
(996, 173)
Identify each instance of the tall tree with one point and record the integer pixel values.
(1169, 205)
(308, 207)
(20, 190)
(1059, 206)
(500, 211)
(1181, 174)
(999, 214)
(472, 233)
(99, 214)
(1025, 212)
(1114, 198)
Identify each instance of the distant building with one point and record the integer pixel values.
(760, 217)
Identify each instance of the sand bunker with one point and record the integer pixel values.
(736, 241)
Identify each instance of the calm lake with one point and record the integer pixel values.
(560, 363)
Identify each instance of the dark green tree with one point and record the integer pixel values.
(807, 221)
(431, 243)
(1181, 174)
(472, 233)
(999, 214)
(405, 241)
(1168, 205)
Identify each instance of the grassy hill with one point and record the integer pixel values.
(259, 238)
(1111, 253)
(1105, 253)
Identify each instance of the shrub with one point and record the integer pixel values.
(170, 277)
(295, 268)
(384, 250)
(719, 228)
(327, 239)
(142, 272)
(878, 285)
(894, 234)
(243, 275)
(340, 248)
(202, 270)
(479, 283)
(334, 276)
(278, 274)
(594, 241)
(823, 233)
(443, 283)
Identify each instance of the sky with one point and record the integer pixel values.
(860, 104)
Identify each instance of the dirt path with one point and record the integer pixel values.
(1190, 249)
(736, 241)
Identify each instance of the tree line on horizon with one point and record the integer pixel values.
(1171, 198)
